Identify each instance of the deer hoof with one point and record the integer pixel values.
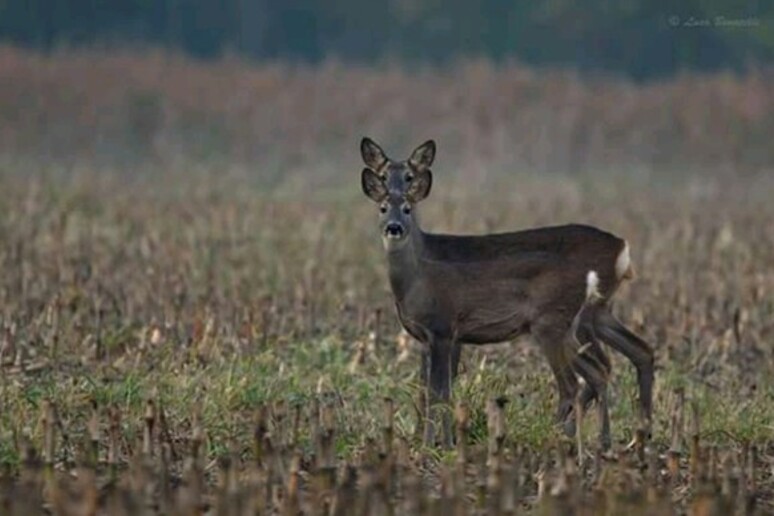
(565, 417)
(564, 410)
(568, 427)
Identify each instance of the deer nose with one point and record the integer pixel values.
(393, 229)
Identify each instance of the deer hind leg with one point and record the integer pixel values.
(588, 359)
(592, 361)
(456, 355)
(587, 341)
(639, 352)
(597, 354)
(551, 338)
(595, 371)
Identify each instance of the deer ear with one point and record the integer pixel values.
(373, 155)
(420, 186)
(373, 186)
(423, 156)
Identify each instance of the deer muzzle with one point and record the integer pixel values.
(394, 230)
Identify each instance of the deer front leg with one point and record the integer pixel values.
(422, 401)
(440, 354)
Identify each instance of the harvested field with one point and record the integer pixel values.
(182, 335)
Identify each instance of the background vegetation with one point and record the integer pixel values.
(640, 38)
(122, 109)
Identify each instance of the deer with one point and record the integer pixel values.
(552, 283)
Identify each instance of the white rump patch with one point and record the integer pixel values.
(623, 263)
(592, 285)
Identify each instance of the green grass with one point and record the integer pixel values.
(226, 393)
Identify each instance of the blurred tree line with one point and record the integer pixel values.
(641, 38)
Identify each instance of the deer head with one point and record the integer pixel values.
(396, 186)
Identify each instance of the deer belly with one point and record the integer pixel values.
(490, 326)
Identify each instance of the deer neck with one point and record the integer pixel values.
(404, 264)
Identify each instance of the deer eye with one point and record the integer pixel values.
(383, 208)
(409, 177)
(406, 209)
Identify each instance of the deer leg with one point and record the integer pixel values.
(593, 351)
(552, 341)
(597, 355)
(439, 392)
(456, 354)
(422, 401)
(639, 352)
(595, 374)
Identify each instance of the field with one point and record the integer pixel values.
(196, 316)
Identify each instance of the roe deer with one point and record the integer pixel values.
(554, 283)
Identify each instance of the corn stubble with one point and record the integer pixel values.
(282, 478)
